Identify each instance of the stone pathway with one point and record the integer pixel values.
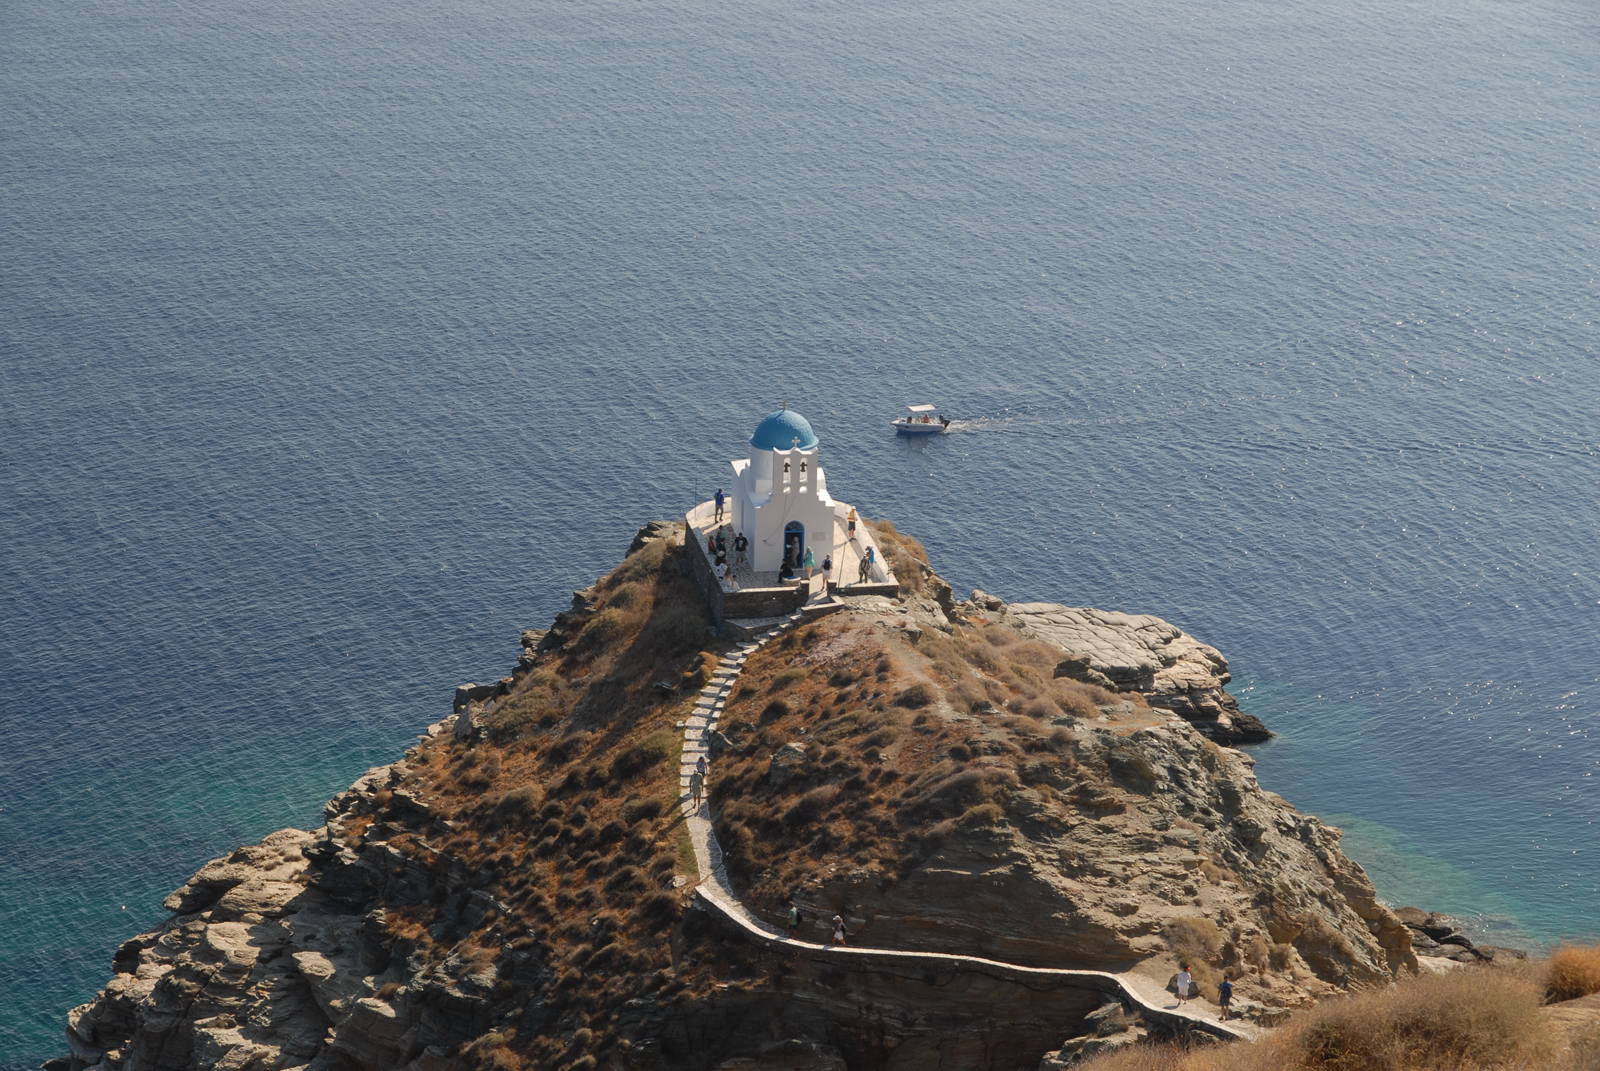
(717, 891)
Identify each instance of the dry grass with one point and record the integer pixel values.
(1574, 971)
(1471, 1020)
(566, 815)
(1197, 943)
(888, 777)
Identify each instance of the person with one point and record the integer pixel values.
(697, 784)
(794, 921)
(722, 544)
(720, 501)
(722, 569)
(865, 569)
(827, 571)
(711, 545)
(740, 545)
(872, 555)
(1182, 983)
(809, 562)
(1225, 996)
(787, 572)
(700, 766)
(850, 523)
(838, 931)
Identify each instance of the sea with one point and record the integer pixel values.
(340, 342)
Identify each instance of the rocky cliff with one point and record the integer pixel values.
(1032, 784)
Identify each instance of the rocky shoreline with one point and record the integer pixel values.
(405, 933)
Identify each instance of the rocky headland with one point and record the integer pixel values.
(1011, 793)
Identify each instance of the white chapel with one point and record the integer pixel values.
(780, 496)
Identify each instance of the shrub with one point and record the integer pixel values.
(806, 809)
(600, 629)
(915, 697)
(1195, 939)
(1574, 972)
(658, 909)
(677, 628)
(1471, 1019)
(775, 710)
(519, 803)
(786, 678)
(983, 814)
(652, 750)
(638, 809)
(641, 564)
(882, 737)
(1461, 1019)
(624, 595)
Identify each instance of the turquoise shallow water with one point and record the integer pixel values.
(338, 343)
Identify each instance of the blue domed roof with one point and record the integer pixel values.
(779, 430)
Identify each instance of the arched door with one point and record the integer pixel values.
(794, 543)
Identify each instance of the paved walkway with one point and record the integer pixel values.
(717, 891)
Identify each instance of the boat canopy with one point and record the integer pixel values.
(922, 408)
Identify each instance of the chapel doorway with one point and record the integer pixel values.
(794, 543)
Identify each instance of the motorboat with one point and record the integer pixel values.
(921, 420)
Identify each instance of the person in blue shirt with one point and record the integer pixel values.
(1225, 996)
(720, 500)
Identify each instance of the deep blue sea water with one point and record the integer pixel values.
(340, 341)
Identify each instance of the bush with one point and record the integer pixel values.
(915, 697)
(808, 807)
(984, 814)
(651, 751)
(637, 809)
(642, 564)
(519, 803)
(600, 630)
(677, 628)
(658, 909)
(624, 595)
(786, 678)
(1574, 972)
(1471, 1019)
(1461, 1019)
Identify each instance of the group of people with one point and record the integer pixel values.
(794, 926)
(1224, 990)
(717, 545)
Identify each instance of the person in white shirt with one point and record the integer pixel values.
(1183, 981)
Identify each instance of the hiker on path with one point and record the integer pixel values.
(740, 545)
(827, 572)
(1225, 996)
(838, 931)
(1182, 983)
(700, 766)
(794, 921)
(809, 562)
(697, 784)
(720, 500)
(850, 523)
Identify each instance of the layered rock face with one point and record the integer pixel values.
(1108, 835)
(1138, 652)
(1187, 834)
(278, 956)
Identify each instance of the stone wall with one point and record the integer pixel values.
(746, 602)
